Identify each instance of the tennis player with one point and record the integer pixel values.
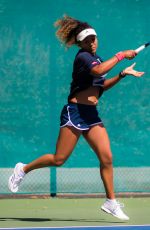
(80, 116)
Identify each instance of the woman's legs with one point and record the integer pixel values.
(98, 139)
(67, 139)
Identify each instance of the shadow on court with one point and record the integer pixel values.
(68, 212)
(58, 219)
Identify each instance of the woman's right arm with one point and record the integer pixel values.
(106, 66)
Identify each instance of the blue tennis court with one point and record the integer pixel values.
(134, 227)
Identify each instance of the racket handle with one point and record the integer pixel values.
(140, 49)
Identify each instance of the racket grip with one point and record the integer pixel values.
(140, 49)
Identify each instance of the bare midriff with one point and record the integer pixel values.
(88, 96)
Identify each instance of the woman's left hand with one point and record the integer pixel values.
(130, 71)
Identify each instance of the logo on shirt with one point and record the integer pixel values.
(98, 60)
(94, 62)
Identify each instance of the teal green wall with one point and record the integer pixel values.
(35, 73)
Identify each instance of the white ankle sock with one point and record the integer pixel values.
(22, 173)
(112, 201)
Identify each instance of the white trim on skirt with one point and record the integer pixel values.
(70, 123)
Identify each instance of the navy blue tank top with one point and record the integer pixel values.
(82, 78)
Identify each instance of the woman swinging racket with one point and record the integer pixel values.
(80, 116)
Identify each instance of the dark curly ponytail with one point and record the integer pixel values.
(68, 29)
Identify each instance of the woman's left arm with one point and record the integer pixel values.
(109, 83)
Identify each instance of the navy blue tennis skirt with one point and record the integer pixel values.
(80, 116)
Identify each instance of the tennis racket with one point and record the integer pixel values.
(139, 49)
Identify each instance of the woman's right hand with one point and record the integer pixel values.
(129, 54)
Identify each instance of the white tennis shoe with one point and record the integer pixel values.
(114, 208)
(16, 178)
